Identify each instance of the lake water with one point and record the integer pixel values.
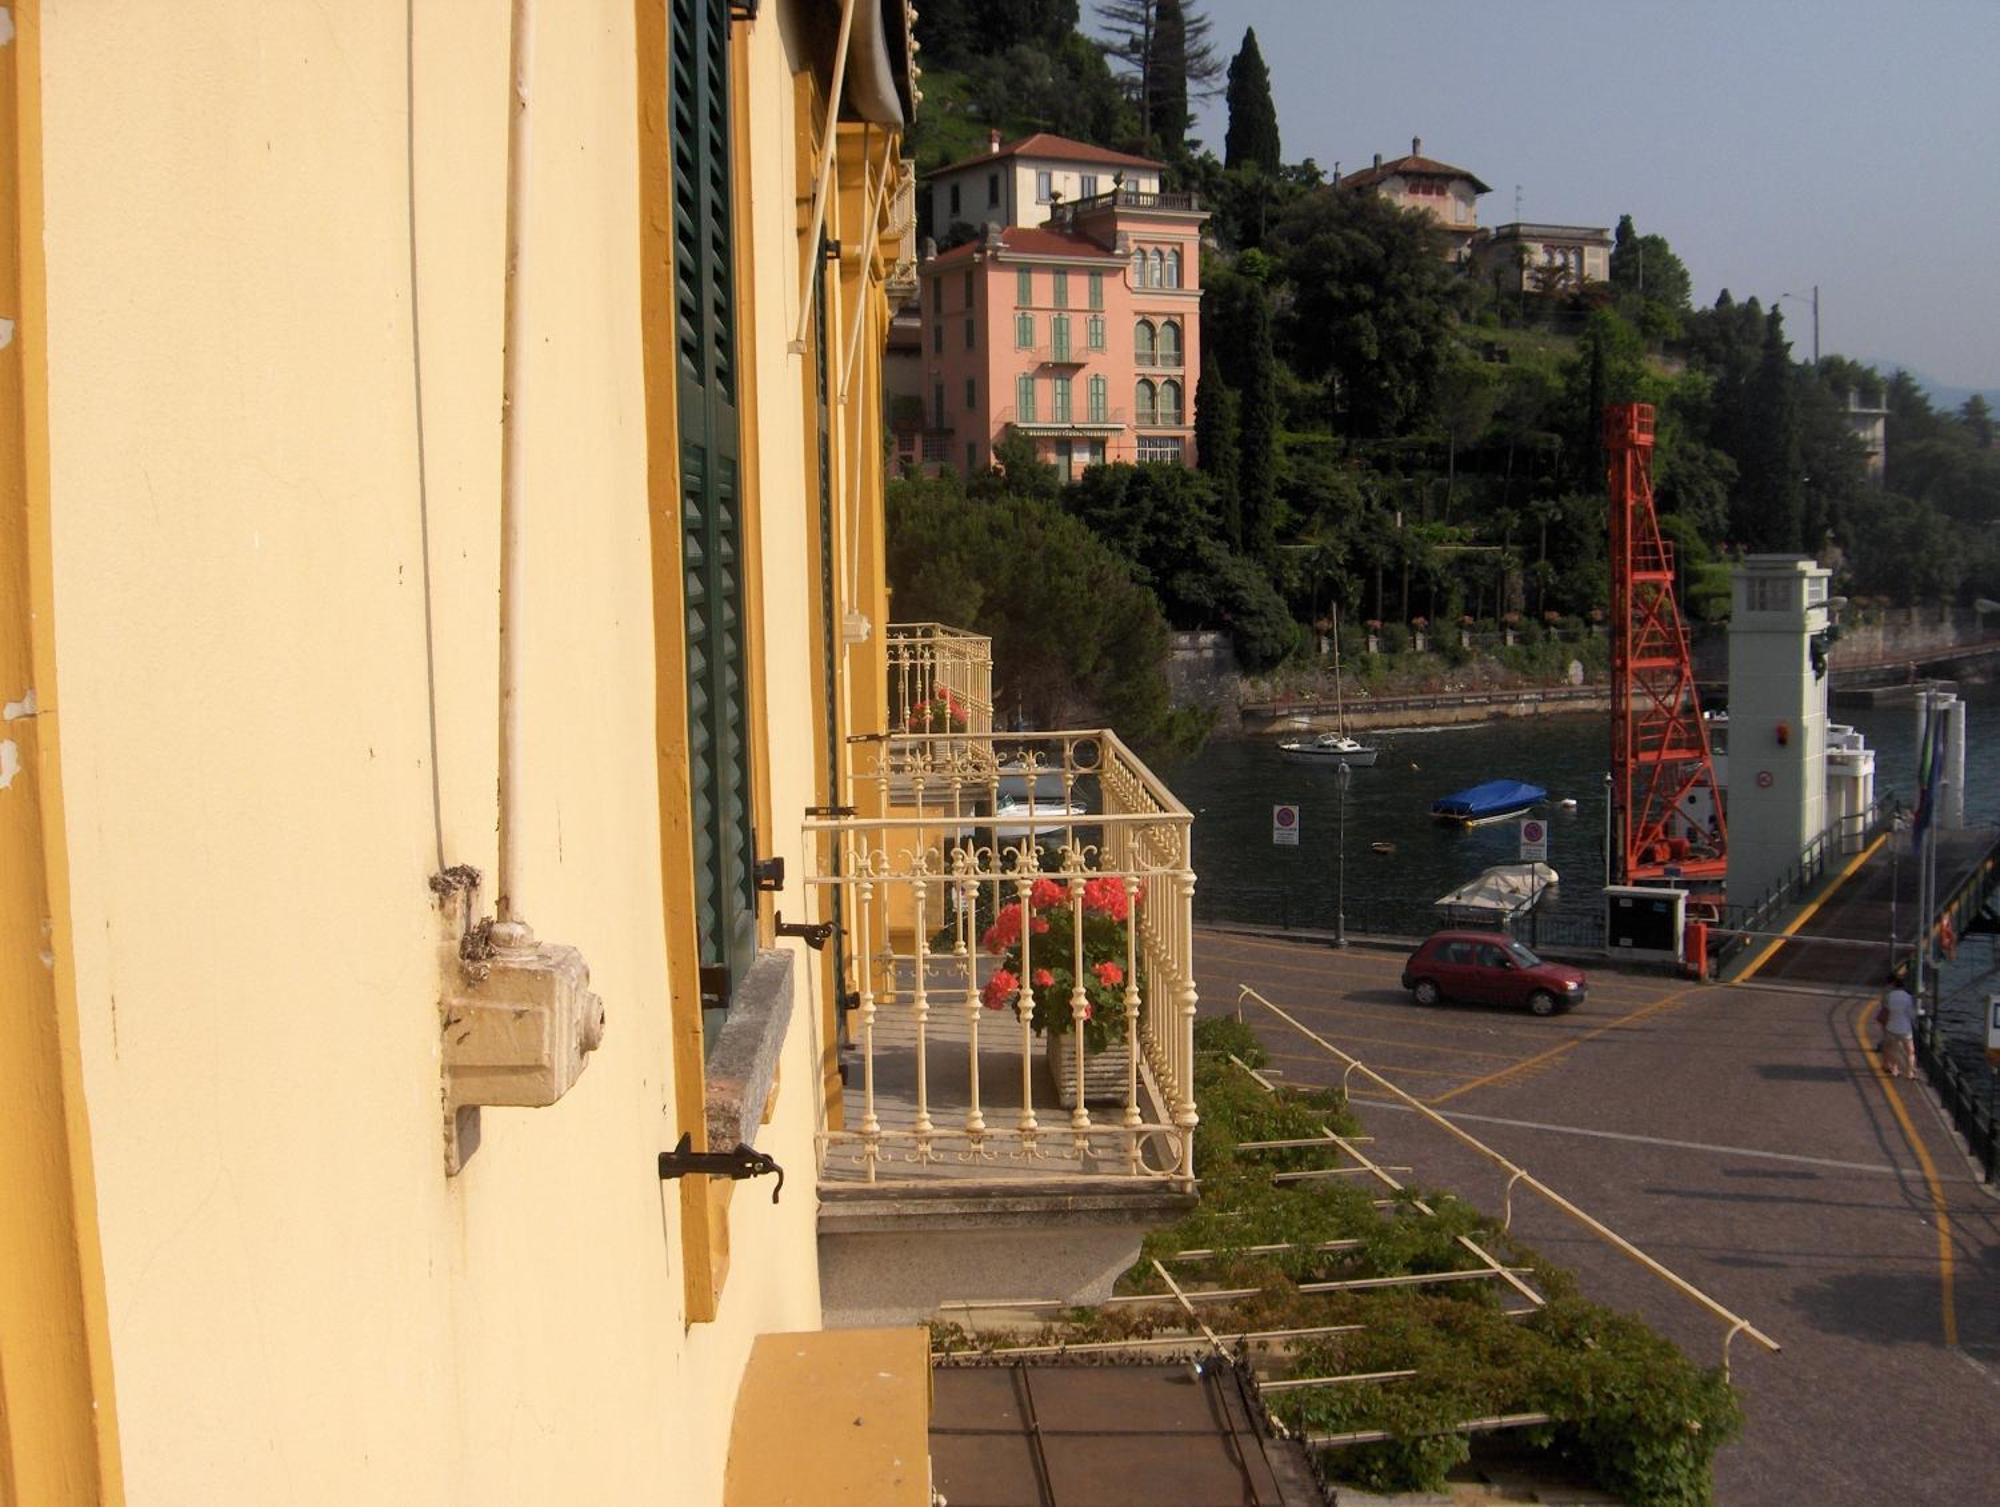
(1232, 785)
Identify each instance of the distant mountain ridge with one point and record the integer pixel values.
(1943, 396)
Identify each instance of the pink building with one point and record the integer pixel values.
(1083, 334)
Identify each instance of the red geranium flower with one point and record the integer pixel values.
(1109, 974)
(999, 989)
(1043, 978)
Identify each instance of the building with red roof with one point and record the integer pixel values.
(1081, 332)
(1021, 182)
(1449, 195)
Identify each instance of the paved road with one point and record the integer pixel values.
(1744, 1137)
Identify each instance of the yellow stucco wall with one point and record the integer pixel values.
(302, 1307)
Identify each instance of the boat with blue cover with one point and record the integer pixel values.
(1494, 801)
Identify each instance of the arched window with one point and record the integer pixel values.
(1142, 402)
(1138, 266)
(1142, 343)
(1156, 275)
(1170, 344)
(1169, 408)
(1173, 269)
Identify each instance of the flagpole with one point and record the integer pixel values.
(1924, 826)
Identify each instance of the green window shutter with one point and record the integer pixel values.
(1097, 290)
(1024, 287)
(1059, 336)
(1024, 399)
(711, 516)
(1024, 331)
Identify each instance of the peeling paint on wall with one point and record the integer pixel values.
(10, 762)
(14, 711)
(6, 333)
(6, 24)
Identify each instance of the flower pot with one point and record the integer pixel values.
(1104, 1073)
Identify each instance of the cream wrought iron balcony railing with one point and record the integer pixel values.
(940, 679)
(1004, 889)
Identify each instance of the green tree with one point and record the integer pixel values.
(1770, 500)
(1467, 395)
(1257, 428)
(1370, 309)
(1977, 417)
(1167, 56)
(1645, 266)
(1252, 137)
(1161, 521)
(1075, 639)
(1215, 439)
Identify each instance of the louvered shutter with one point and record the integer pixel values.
(712, 542)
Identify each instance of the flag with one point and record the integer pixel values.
(1930, 764)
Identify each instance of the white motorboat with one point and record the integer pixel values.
(1335, 747)
(1329, 748)
(1014, 820)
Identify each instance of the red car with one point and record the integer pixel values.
(1490, 968)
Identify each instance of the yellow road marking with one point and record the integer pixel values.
(1568, 1046)
(1938, 1206)
(1808, 913)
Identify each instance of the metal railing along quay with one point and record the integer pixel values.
(1309, 706)
(1376, 914)
(1741, 923)
(1003, 887)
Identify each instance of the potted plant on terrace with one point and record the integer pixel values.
(939, 713)
(1037, 948)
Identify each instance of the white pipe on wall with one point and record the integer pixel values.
(520, 22)
(823, 179)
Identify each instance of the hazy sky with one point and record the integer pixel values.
(1776, 143)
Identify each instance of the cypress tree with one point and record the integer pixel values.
(1167, 109)
(1771, 504)
(1216, 448)
(1258, 429)
(1164, 46)
(1252, 138)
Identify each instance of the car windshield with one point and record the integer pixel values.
(1522, 956)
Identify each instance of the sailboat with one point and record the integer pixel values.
(1335, 747)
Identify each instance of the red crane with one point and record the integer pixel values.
(1666, 807)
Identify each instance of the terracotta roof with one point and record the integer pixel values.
(1046, 144)
(1419, 167)
(1028, 240)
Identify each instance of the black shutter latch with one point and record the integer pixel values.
(769, 874)
(815, 934)
(744, 1161)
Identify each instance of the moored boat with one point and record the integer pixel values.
(1329, 748)
(1334, 747)
(1493, 801)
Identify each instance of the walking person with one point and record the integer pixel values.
(1898, 1020)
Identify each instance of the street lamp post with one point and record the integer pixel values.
(1342, 776)
(1814, 301)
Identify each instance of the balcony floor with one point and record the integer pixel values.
(1004, 1155)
